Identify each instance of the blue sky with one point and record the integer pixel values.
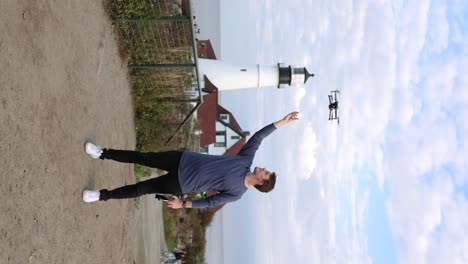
(389, 185)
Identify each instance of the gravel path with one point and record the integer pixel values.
(62, 83)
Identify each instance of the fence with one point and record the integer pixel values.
(157, 38)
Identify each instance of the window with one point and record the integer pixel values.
(220, 133)
(224, 118)
(235, 137)
(204, 150)
(220, 144)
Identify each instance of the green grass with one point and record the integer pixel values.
(131, 9)
(140, 172)
(188, 227)
(170, 227)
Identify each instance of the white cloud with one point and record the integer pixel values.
(437, 90)
(449, 245)
(461, 89)
(297, 95)
(306, 153)
(412, 28)
(439, 29)
(425, 171)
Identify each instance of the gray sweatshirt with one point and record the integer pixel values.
(226, 174)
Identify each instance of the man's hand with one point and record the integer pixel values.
(292, 116)
(176, 203)
(287, 119)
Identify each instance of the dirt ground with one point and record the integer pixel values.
(62, 83)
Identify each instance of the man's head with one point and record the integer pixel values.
(265, 180)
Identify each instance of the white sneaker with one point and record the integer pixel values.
(93, 150)
(91, 196)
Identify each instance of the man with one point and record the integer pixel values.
(193, 172)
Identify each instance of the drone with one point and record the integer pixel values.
(333, 106)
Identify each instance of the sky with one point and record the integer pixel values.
(389, 184)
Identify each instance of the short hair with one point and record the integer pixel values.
(267, 185)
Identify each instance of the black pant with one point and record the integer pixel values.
(168, 183)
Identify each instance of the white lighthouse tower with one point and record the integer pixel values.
(231, 76)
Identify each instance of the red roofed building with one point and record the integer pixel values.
(205, 50)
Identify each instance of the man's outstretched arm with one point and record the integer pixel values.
(287, 119)
(254, 142)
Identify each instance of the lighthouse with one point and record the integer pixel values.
(227, 76)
